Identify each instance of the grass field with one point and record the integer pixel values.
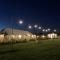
(42, 50)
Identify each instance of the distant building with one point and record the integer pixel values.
(15, 35)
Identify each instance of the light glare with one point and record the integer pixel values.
(29, 27)
(21, 22)
(39, 27)
(35, 26)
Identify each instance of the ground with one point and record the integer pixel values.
(42, 50)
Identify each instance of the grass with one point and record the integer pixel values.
(42, 50)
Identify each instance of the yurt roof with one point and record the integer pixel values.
(15, 31)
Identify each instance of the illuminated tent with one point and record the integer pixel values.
(52, 35)
(17, 35)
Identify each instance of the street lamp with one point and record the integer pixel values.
(54, 30)
(35, 26)
(39, 27)
(20, 22)
(29, 26)
(43, 30)
(48, 29)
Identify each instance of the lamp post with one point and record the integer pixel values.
(43, 30)
(48, 29)
(20, 23)
(39, 27)
(36, 26)
(54, 30)
(29, 26)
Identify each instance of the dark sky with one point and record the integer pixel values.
(44, 12)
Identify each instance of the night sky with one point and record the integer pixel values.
(44, 13)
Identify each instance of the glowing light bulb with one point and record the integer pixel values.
(20, 22)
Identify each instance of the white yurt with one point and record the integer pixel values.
(52, 35)
(17, 35)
